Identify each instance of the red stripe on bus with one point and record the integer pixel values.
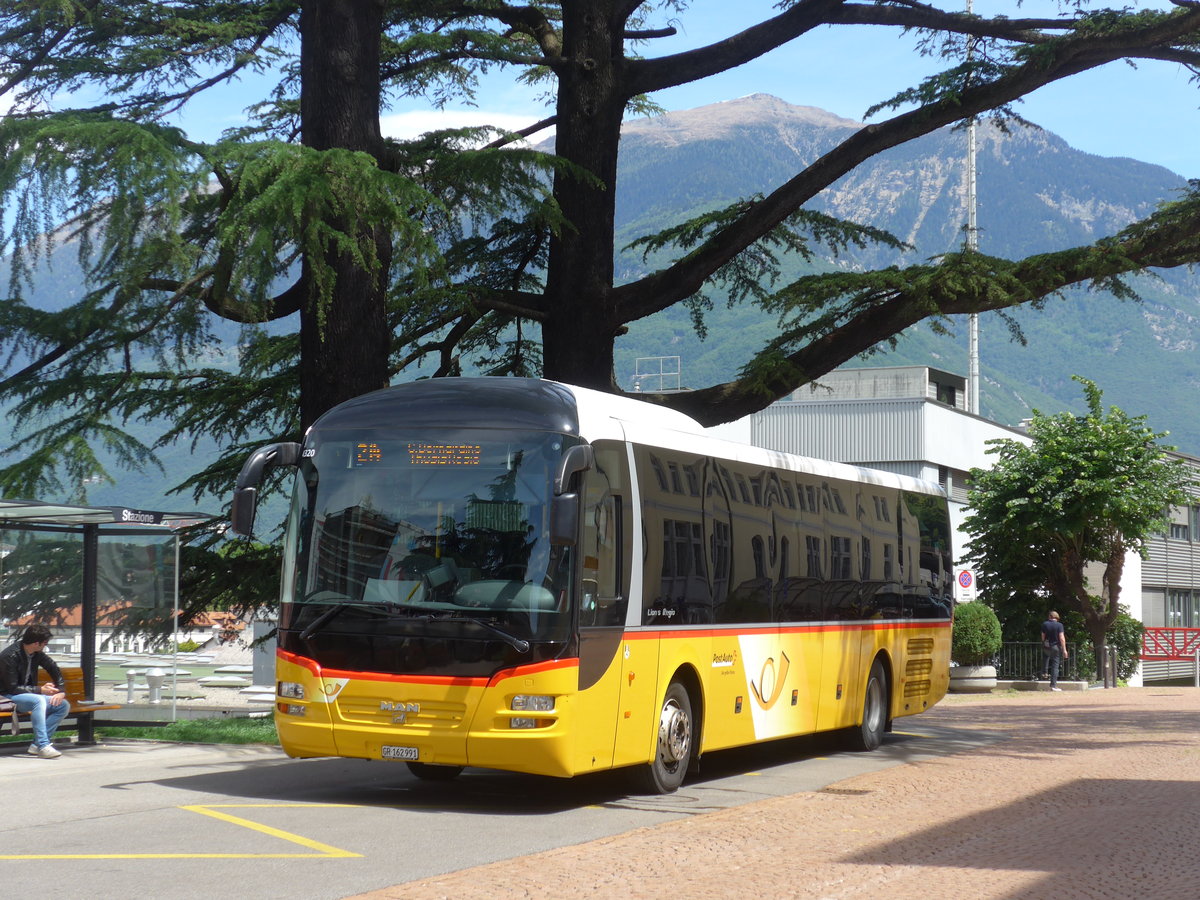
(476, 681)
(546, 666)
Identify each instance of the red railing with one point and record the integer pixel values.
(1170, 643)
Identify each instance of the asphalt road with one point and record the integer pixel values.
(192, 821)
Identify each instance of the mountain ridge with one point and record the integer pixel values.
(1036, 193)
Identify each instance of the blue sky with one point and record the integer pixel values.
(1148, 113)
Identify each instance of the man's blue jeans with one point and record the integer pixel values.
(45, 718)
(1053, 661)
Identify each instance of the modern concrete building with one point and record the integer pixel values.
(1170, 594)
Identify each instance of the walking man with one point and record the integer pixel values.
(1054, 648)
(46, 705)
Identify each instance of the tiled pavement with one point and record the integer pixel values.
(1089, 795)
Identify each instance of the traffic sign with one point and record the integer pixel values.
(964, 585)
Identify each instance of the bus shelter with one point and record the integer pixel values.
(58, 557)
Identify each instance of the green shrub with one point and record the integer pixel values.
(975, 638)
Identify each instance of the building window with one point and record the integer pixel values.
(840, 553)
(812, 547)
(788, 497)
(881, 509)
(659, 474)
(756, 547)
(683, 549)
(1183, 609)
(676, 485)
(741, 483)
(1179, 531)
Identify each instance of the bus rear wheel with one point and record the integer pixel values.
(869, 735)
(430, 772)
(673, 746)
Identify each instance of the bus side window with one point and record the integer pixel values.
(601, 602)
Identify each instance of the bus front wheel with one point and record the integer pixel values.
(673, 745)
(430, 772)
(869, 735)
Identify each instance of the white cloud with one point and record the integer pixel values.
(417, 122)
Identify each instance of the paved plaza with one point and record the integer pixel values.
(1089, 795)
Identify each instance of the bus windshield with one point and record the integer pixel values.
(425, 536)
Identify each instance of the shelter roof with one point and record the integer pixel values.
(68, 517)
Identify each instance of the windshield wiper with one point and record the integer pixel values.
(333, 612)
(519, 644)
(322, 620)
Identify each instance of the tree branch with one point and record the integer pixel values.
(683, 279)
(31, 64)
(648, 75)
(1169, 238)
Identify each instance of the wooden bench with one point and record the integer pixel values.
(82, 706)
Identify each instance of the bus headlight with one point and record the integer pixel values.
(533, 703)
(292, 709)
(291, 690)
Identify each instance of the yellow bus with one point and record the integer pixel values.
(519, 574)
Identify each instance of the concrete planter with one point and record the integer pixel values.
(972, 679)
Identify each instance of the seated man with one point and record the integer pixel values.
(47, 705)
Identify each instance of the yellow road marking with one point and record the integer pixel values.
(322, 851)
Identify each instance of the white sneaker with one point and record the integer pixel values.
(32, 750)
(1057, 689)
(48, 752)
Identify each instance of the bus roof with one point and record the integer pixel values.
(603, 415)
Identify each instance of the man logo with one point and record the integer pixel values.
(770, 684)
(399, 710)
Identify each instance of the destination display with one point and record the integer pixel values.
(444, 454)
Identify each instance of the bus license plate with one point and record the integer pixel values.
(399, 752)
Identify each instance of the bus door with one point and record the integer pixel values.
(604, 593)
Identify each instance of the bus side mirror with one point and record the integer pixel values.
(564, 520)
(245, 493)
(579, 458)
(564, 508)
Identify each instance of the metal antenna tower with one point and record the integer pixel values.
(972, 245)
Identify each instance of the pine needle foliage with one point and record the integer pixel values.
(335, 259)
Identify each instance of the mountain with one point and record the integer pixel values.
(1035, 193)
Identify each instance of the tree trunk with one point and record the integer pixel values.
(344, 346)
(1110, 596)
(578, 331)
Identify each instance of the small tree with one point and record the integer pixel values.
(975, 637)
(1086, 489)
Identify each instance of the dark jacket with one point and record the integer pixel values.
(17, 676)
